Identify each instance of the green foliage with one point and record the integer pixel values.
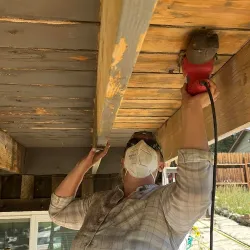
(235, 199)
(225, 144)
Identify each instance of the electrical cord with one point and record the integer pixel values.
(215, 162)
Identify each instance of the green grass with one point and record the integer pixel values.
(235, 199)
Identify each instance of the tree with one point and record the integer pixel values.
(225, 144)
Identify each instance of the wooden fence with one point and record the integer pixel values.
(233, 168)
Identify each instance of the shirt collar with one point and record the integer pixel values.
(119, 192)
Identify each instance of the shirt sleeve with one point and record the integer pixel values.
(185, 201)
(69, 212)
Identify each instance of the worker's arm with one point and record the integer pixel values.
(64, 209)
(187, 200)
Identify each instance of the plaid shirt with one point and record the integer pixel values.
(153, 217)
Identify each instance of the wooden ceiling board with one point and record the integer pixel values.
(145, 112)
(74, 10)
(157, 78)
(145, 93)
(214, 13)
(47, 59)
(52, 36)
(149, 80)
(154, 104)
(172, 40)
(48, 63)
(167, 63)
(137, 125)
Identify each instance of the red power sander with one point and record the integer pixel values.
(198, 60)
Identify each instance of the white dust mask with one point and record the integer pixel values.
(141, 160)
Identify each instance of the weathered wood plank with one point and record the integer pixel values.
(149, 80)
(167, 63)
(27, 187)
(123, 28)
(42, 59)
(42, 112)
(142, 119)
(19, 127)
(146, 112)
(232, 106)
(147, 104)
(76, 10)
(233, 14)
(48, 78)
(152, 93)
(137, 125)
(43, 120)
(11, 154)
(46, 91)
(172, 40)
(52, 36)
(47, 102)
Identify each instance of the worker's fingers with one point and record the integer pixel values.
(102, 153)
(91, 154)
(105, 151)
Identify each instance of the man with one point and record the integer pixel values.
(140, 214)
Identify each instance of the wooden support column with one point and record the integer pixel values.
(123, 27)
(11, 154)
(232, 106)
(27, 187)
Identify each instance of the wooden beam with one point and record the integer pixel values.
(11, 154)
(232, 106)
(123, 28)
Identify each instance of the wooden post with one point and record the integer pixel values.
(87, 186)
(247, 173)
(27, 188)
(11, 154)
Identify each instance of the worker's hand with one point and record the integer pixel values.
(93, 157)
(202, 99)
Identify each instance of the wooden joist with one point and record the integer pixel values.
(123, 27)
(232, 106)
(11, 154)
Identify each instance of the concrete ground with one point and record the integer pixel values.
(225, 237)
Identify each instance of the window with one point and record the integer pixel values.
(14, 234)
(34, 231)
(53, 237)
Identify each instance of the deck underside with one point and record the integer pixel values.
(48, 65)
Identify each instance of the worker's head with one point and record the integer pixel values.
(142, 159)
